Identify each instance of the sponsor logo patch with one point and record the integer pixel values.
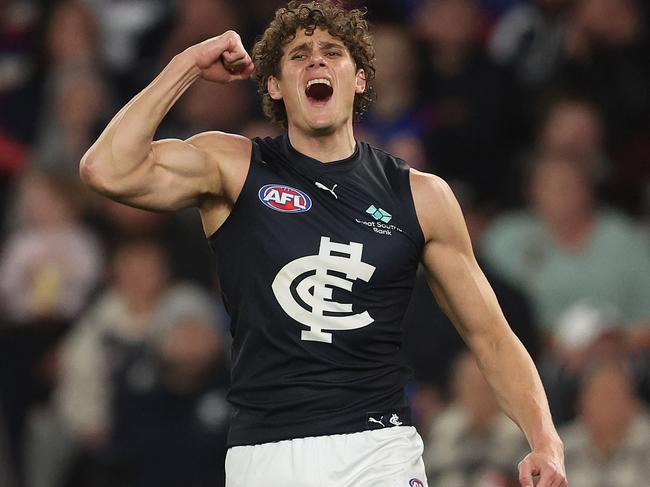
(284, 198)
(379, 214)
(415, 483)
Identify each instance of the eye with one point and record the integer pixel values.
(333, 54)
(298, 57)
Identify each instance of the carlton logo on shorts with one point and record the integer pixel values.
(310, 279)
(416, 483)
(284, 198)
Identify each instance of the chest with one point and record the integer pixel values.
(346, 224)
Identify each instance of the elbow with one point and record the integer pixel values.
(85, 169)
(91, 175)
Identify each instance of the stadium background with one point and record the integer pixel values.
(113, 341)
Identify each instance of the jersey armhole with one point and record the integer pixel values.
(255, 156)
(421, 241)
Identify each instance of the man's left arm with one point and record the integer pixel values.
(463, 292)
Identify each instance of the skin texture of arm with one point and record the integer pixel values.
(465, 295)
(204, 171)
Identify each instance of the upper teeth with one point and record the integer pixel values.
(319, 80)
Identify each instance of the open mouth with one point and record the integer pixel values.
(319, 90)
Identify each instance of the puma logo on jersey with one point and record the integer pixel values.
(331, 190)
(284, 198)
(310, 279)
(379, 421)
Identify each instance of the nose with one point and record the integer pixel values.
(317, 60)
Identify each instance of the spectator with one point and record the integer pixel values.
(50, 263)
(77, 424)
(565, 247)
(49, 266)
(124, 322)
(608, 64)
(172, 431)
(609, 443)
(20, 91)
(530, 39)
(79, 98)
(20, 84)
(575, 129)
(71, 36)
(181, 234)
(472, 443)
(471, 101)
(120, 26)
(393, 122)
(587, 329)
(205, 105)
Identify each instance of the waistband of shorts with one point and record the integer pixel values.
(246, 429)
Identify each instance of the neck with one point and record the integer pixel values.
(327, 147)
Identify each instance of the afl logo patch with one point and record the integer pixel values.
(415, 483)
(284, 198)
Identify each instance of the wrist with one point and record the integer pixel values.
(185, 61)
(551, 442)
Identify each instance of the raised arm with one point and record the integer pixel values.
(465, 295)
(125, 163)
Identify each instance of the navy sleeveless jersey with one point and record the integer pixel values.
(317, 262)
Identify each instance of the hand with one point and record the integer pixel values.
(222, 59)
(548, 465)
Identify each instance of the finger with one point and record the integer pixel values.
(244, 74)
(526, 479)
(525, 474)
(559, 480)
(234, 62)
(550, 477)
(235, 53)
(210, 53)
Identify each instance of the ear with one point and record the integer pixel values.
(360, 82)
(273, 87)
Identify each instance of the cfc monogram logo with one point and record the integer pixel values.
(313, 286)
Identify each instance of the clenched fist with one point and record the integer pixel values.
(222, 59)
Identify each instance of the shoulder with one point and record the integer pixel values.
(435, 203)
(430, 187)
(618, 233)
(222, 144)
(227, 157)
(617, 223)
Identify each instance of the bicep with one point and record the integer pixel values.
(176, 174)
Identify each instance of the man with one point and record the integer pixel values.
(318, 239)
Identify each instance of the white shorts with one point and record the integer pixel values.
(390, 457)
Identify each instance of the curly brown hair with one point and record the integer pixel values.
(347, 25)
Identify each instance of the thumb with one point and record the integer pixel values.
(243, 74)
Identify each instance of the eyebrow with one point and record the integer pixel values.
(330, 45)
(302, 47)
(308, 45)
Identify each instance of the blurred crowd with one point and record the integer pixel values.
(113, 339)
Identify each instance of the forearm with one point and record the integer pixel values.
(126, 141)
(513, 376)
